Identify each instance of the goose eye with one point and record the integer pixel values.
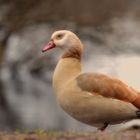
(59, 36)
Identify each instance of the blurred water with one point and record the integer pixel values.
(26, 73)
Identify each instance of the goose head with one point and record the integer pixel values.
(63, 39)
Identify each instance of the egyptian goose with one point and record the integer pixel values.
(92, 98)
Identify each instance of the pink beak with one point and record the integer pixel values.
(49, 46)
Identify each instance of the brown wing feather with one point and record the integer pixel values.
(106, 86)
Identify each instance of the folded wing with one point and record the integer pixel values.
(106, 86)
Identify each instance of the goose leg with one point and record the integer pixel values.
(103, 127)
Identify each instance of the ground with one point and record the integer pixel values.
(129, 134)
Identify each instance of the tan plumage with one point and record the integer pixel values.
(92, 98)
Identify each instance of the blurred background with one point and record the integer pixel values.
(110, 31)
